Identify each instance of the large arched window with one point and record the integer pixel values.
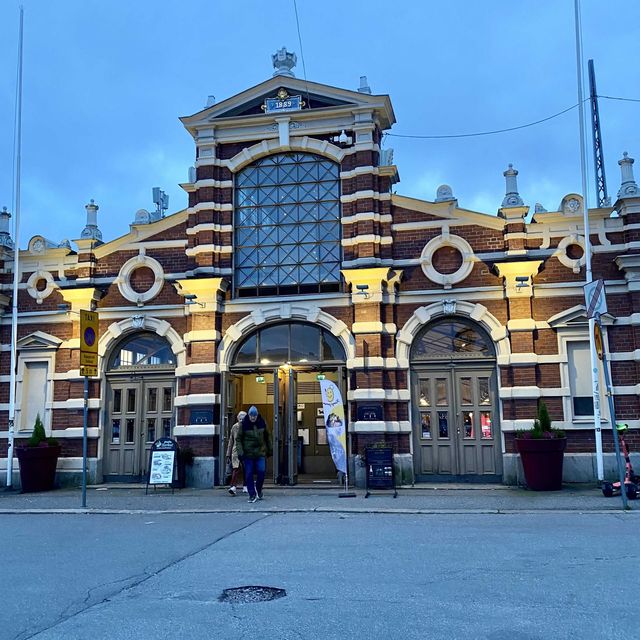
(452, 339)
(142, 350)
(287, 226)
(292, 342)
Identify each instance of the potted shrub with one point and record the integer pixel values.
(541, 450)
(38, 460)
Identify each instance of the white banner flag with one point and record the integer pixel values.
(335, 423)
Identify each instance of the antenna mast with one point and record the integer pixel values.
(598, 158)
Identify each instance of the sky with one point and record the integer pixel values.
(105, 83)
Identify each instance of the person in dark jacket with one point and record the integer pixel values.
(254, 445)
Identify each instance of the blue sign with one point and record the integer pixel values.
(279, 105)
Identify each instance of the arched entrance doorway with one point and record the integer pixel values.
(455, 403)
(140, 398)
(278, 369)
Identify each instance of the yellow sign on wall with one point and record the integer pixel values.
(88, 343)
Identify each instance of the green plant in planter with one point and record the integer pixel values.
(542, 429)
(541, 450)
(39, 437)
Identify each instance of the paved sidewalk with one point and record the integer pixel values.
(421, 499)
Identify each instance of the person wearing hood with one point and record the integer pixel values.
(254, 445)
(232, 453)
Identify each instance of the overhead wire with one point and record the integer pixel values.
(506, 130)
(304, 67)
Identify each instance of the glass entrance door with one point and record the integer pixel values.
(454, 411)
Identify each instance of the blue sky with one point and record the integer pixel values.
(105, 83)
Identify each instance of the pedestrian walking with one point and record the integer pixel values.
(254, 446)
(232, 454)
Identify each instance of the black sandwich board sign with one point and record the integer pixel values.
(380, 472)
(163, 463)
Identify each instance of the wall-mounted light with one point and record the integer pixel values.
(320, 376)
(343, 139)
(522, 281)
(191, 298)
(363, 290)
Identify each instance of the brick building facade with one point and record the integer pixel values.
(295, 258)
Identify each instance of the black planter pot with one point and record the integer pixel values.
(37, 467)
(542, 462)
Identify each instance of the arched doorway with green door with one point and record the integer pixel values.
(278, 368)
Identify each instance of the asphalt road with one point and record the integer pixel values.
(473, 576)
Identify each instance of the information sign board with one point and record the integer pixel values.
(163, 458)
(380, 470)
(89, 342)
(595, 298)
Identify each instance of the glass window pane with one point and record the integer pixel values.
(425, 421)
(485, 425)
(467, 417)
(167, 397)
(466, 396)
(451, 339)
(152, 399)
(151, 430)
(131, 423)
(331, 347)
(247, 353)
(143, 350)
(117, 400)
(287, 214)
(484, 391)
(442, 399)
(115, 431)
(580, 378)
(305, 343)
(274, 344)
(131, 400)
(166, 427)
(425, 397)
(443, 424)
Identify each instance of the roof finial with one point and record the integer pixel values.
(91, 229)
(628, 188)
(512, 197)
(283, 61)
(5, 234)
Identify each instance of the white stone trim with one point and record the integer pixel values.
(285, 311)
(210, 226)
(208, 248)
(561, 252)
(376, 362)
(196, 430)
(196, 369)
(532, 393)
(210, 206)
(422, 315)
(117, 330)
(123, 280)
(369, 237)
(50, 287)
(75, 432)
(269, 147)
(208, 182)
(201, 335)
(447, 240)
(193, 399)
(363, 195)
(391, 426)
(373, 327)
(379, 394)
(366, 215)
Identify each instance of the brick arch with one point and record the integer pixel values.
(422, 315)
(236, 332)
(269, 147)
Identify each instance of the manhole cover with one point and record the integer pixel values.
(247, 595)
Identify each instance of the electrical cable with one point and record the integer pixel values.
(304, 67)
(489, 133)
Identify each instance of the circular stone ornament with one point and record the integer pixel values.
(447, 240)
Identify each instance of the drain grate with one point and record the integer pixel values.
(251, 594)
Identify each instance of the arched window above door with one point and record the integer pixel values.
(294, 343)
(142, 350)
(452, 338)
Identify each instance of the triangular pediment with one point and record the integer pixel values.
(575, 317)
(315, 96)
(39, 340)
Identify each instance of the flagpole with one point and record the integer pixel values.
(595, 371)
(16, 261)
